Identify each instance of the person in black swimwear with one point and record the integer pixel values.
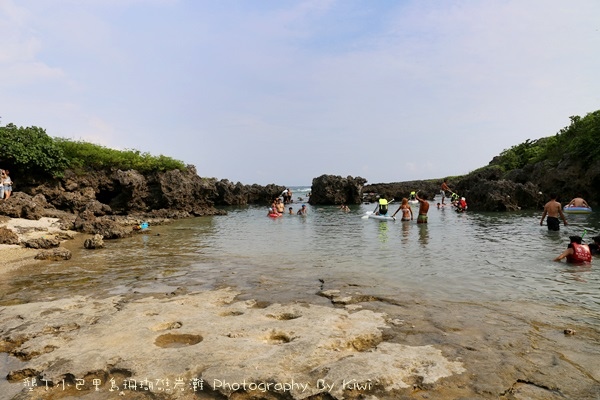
(553, 209)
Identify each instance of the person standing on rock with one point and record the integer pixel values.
(1, 184)
(444, 189)
(553, 209)
(6, 184)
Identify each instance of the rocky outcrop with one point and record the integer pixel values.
(57, 254)
(488, 190)
(398, 190)
(230, 194)
(44, 242)
(491, 189)
(124, 192)
(20, 205)
(335, 190)
(7, 236)
(168, 194)
(94, 242)
(568, 179)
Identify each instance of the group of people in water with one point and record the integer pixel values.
(459, 203)
(577, 252)
(277, 208)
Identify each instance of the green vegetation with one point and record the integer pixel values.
(85, 156)
(31, 149)
(579, 141)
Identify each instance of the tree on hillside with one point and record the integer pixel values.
(30, 150)
(578, 142)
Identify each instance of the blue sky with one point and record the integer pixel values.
(285, 91)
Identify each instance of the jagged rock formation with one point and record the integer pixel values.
(95, 242)
(56, 254)
(170, 194)
(491, 189)
(398, 190)
(335, 190)
(110, 203)
(7, 236)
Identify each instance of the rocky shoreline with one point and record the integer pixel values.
(345, 342)
(20, 239)
(87, 347)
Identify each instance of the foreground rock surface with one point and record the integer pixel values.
(214, 345)
(210, 339)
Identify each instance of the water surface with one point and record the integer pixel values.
(468, 256)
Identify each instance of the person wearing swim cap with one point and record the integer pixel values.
(382, 207)
(302, 210)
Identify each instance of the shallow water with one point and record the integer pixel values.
(461, 257)
(482, 286)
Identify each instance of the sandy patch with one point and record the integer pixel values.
(15, 256)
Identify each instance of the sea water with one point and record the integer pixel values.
(481, 286)
(470, 256)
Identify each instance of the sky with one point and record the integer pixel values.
(278, 91)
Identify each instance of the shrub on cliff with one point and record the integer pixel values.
(84, 155)
(577, 142)
(580, 139)
(31, 150)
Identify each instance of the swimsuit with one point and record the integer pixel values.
(422, 219)
(553, 224)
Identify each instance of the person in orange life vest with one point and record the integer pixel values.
(462, 205)
(576, 252)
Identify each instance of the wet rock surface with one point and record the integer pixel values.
(57, 254)
(361, 345)
(95, 242)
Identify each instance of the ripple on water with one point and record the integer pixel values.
(469, 256)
